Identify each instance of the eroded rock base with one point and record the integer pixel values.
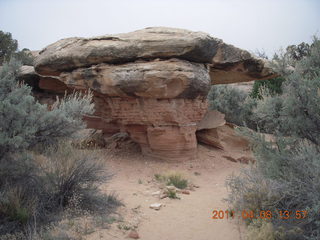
(164, 128)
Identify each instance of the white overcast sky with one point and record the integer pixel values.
(248, 24)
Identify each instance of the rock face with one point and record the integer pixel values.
(148, 43)
(150, 83)
(45, 89)
(222, 137)
(29, 76)
(172, 78)
(233, 65)
(212, 119)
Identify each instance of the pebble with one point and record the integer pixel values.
(133, 234)
(157, 193)
(164, 195)
(171, 188)
(156, 206)
(185, 192)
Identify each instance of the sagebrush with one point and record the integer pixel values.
(41, 173)
(286, 176)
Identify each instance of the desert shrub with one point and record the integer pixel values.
(273, 86)
(69, 173)
(228, 100)
(286, 176)
(302, 116)
(172, 194)
(260, 230)
(284, 62)
(25, 123)
(294, 111)
(251, 191)
(266, 113)
(25, 57)
(41, 174)
(242, 109)
(159, 177)
(236, 104)
(173, 179)
(177, 180)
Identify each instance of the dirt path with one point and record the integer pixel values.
(188, 218)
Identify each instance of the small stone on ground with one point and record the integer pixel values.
(133, 234)
(156, 206)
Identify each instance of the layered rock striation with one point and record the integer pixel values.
(151, 83)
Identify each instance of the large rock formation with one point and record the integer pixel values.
(151, 83)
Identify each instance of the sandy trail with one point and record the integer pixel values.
(188, 218)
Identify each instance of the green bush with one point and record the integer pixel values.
(25, 123)
(177, 180)
(41, 174)
(273, 86)
(172, 194)
(286, 176)
(260, 230)
(173, 179)
(234, 103)
(72, 176)
(9, 48)
(25, 57)
(266, 113)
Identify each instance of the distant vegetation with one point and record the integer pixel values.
(273, 86)
(285, 180)
(9, 48)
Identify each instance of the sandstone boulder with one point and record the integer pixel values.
(212, 119)
(156, 206)
(28, 75)
(172, 78)
(148, 43)
(54, 85)
(223, 137)
(233, 65)
(26, 71)
(133, 234)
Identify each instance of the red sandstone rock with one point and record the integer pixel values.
(133, 234)
(151, 83)
(223, 137)
(212, 119)
(185, 192)
(164, 128)
(234, 65)
(52, 85)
